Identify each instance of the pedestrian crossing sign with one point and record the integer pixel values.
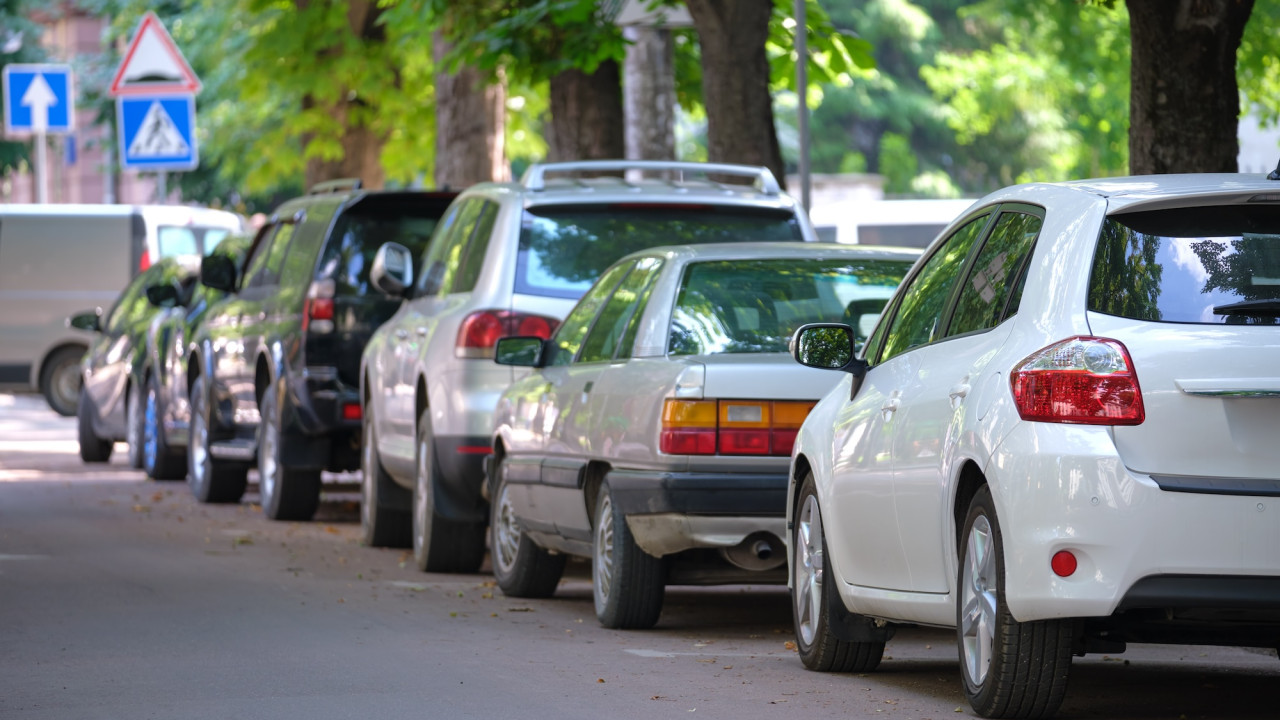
(157, 132)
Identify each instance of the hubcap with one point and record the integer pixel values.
(506, 532)
(808, 566)
(66, 384)
(368, 478)
(134, 420)
(978, 602)
(422, 498)
(603, 574)
(267, 466)
(199, 441)
(150, 431)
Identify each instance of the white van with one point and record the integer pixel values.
(58, 260)
(905, 223)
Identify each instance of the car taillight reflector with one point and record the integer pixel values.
(730, 427)
(481, 330)
(1085, 380)
(145, 261)
(352, 411)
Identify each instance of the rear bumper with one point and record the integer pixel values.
(317, 397)
(641, 492)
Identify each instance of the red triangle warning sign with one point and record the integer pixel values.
(153, 64)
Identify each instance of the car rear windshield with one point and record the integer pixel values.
(751, 306)
(188, 239)
(363, 229)
(564, 248)
(1204, 265)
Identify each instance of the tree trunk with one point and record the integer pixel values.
(649, 94)
(1184, 105)
(470, 125)
(586, 115)
(735, 82)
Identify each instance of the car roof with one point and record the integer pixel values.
(776, 250)
(1136, 192)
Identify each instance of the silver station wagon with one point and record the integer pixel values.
(655, 430)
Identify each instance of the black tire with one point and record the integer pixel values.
(520, 567)
(813, 599)
(1026, 673)
(440, 544)
(60, 380)
(384, 517)
(628, 584)
(133, 424)
(92, 448)
(211, 480)
(159, 460)
(287, 493)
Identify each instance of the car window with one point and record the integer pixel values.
(922, 303)
(569, 336)
(257, 262)
(444, 254)
(754, 305)
(564, 248)
(129, 302)
(985, 291)
(1204, 265)
(602, 341)
(360, 231)
(174, 240)
(473, 254)
(270, 271)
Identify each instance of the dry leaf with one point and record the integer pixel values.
(789, 645)
(331, 529)
(599, 680)
(142, 508)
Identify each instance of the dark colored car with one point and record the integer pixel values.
(166, 413)
(110, 405)
(273, 373)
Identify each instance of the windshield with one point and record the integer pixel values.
(563, 249)
(360, 231)
(750, 306)
(188, 239)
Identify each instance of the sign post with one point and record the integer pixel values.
(39, 100)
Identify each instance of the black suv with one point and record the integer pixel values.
(274, 371)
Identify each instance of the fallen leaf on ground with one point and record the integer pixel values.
(789, 645)
(331, 529)
(142, 508)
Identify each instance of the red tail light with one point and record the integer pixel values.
(731, 427)
(480, 330)
(317, 312)
(145, 261)
(1086, 380)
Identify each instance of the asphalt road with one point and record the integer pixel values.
(123, 598)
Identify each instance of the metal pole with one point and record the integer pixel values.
(162, 189)
(802, 86)
(42, 160)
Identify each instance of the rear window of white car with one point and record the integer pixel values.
(753, 306)
(1203, 265)
(564, 248)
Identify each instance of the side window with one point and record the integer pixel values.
(131, 301)
(567, 340)
(264, 268)
(602, 340)
(445, 255)
(924, 300)
(255, 263)
(995, 272)
(473, 254)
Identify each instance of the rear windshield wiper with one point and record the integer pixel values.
(1249, 307)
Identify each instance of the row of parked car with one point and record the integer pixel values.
(593, 363)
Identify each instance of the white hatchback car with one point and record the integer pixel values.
(1060, 439)
(655, 431)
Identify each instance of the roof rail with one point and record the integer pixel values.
(335, 186)
(763, 180)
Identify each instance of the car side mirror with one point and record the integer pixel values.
(90, 320)
(392, 271)
(524, 351)
(828, 346)
(163, 295)
(219, 272)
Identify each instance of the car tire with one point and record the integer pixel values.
(287, 493)
(627, 583)
(520, 567)
(133, 424)
(383, 519)
(440, 544)
(60, 380)
(1010, 669)
(92, 448)
(813, 598)
(211, 480)
(159, 460)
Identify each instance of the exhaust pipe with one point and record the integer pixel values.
(758, 551)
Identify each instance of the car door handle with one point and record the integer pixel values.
(889, 407)
(422, 331)
(402, 333)
(959, 391)
(587, 388)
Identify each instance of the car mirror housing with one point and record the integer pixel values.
(827, 346)
(524, 351)
(392, 271)
(218, 272)
(163, 295)
(90, 320)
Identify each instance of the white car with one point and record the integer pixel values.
(1061, 438)
(655, 431)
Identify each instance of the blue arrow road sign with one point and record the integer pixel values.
(38, 99)
(157, 132)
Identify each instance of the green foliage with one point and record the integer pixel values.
(1258, 63)
(19, 43)
(898, 163)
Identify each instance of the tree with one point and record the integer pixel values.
(470, 121)
(19, 43)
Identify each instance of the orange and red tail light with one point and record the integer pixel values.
(731, 427)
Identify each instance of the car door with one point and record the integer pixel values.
(936, 420)
(109, 355)
(866, 427)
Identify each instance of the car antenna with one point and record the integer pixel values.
(1274, 174)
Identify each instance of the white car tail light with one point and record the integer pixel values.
(317, 314)
(1087, 380)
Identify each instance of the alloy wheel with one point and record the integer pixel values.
(978, 602)
(809, 565)
(604, 550)
(506, 532)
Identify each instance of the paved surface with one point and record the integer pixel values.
(123, 598)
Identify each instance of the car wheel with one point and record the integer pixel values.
(1010, 669)
(92, 448)
(440, 544)
(287, 493)
(628, 584)
(383, 518)
(60, 380)
(812, 600)
(211, 481)
(158, 459)
(520, 567)
(133, 418)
